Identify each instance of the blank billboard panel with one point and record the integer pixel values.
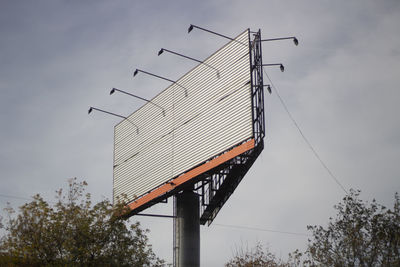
(203, 114)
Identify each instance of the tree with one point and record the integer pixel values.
(256, 257)
(73, 232)
(362, 234)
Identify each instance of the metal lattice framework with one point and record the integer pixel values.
(218, 185)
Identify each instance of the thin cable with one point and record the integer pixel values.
(302, 134)
(16, 197)
(260, 229)
(25, 198)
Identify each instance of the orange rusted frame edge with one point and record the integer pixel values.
(192, 173)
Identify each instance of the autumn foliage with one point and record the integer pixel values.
(73, 232)
(361, 234)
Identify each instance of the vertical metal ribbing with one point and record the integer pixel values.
(251, 83)
(261, 83)
(258, 89)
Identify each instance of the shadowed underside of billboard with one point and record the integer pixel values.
(199, 123)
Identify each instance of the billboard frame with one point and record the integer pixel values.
(216, 179)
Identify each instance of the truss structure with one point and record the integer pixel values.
(216, 186)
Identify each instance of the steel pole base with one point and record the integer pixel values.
(187, 230)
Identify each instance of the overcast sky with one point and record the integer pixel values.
(341, 84)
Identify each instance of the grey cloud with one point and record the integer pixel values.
(57, 58)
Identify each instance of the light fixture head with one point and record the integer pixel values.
(112, 91)
(90, 110)
(190, 28)
(269, 89)
(295, 41)
(282, 68)
(161, 51)
(136, 72)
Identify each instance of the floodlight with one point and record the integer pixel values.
(151, 74)
(111, 113)
(268, 88)
(295, 40)
(187, 57)
(221, 35)
(275, 64)
(160, 77)
(127, 93)
(104, 111)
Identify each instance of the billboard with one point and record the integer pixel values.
(202, 120)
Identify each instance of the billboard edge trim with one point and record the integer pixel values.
(192, 173)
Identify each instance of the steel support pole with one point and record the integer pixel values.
(187, 230)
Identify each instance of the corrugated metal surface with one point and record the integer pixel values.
(214, 116)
